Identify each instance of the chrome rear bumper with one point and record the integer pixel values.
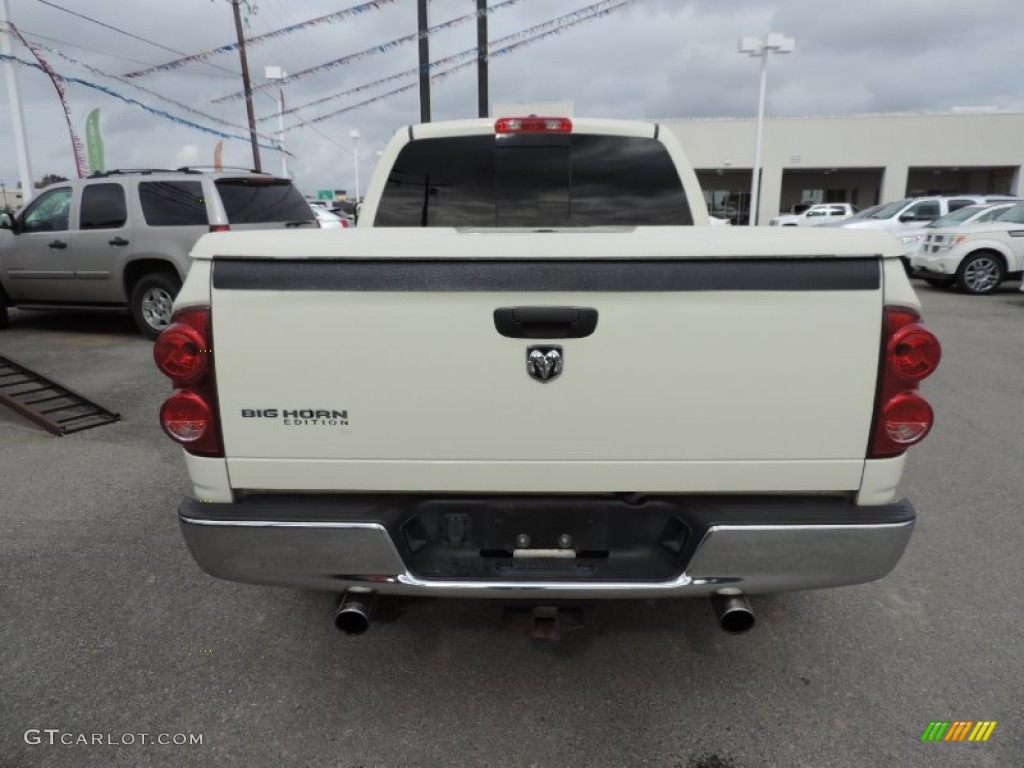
(828, 548)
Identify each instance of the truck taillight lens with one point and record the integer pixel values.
(910, 353)
(533, 124)
(180, 353)
(907, 418)
(913, 352)
(183, 353)
(185, 417)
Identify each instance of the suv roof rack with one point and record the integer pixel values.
(126, 171)
(215, 169)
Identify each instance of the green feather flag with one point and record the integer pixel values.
(94, 142)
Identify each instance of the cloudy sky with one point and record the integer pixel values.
(650, 59)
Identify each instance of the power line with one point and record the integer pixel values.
(123, 32)
(128, 100)
(495, 47)
(557, 26)
(79, 47)
(100, 73)
(254, 40)
(375, 49)
(108, 26)
(291, 51)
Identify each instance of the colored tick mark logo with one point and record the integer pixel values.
(958, 730)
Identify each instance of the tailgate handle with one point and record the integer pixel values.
(545, 322)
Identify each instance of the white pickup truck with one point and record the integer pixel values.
(815, 216)
(532, 371)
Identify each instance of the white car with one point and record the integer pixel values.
(329, 220)
(912, 239)
(815, 216)
(976, 257)
(915, 212)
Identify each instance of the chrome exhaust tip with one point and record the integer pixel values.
(353, 617)
(733, 613)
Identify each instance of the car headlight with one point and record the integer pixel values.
(952, 242)
(911, 239)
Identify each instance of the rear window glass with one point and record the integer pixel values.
(173, 203)
(258, 201)
(1014, 215)
(576, 180)
(103, 207)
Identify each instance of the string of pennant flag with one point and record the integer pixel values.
(496, 49)
(373, 50)
(607, 10)
(129, 100)
(330, 18)
(149, 91)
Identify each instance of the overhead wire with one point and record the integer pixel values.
(256, 39)
(378, 49)
(181, 105)
(496, 48)
(128, 34)
(551, 27)
(129, 100)
(36, 35)
(287, 43)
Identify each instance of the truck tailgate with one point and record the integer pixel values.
(750, 374)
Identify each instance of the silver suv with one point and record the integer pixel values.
(120, 240)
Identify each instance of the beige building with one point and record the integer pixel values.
(858, 159)
(10, 198)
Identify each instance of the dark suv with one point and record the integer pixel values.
(120, 240)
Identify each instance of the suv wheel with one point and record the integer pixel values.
(152, 298)
(980, 273)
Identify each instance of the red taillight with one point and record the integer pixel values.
(533, 124)
(185, 417)
(910, 353)
(913, 352)
(344, 223)
(907, 418)
(220, 227)
(182, 352)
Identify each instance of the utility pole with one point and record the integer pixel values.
(14, 96)
(248, 85)
(424, 62)
(481, 57)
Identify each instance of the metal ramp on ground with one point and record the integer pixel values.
(52, 406)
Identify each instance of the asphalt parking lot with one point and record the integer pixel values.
(108, 627)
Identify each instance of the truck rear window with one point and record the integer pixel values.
(576, 180)
(260, 200)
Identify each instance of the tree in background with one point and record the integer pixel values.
(48, 179)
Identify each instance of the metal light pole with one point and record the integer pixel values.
(761, 47)
(354, 135)
(17, 117)
(276, 73)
